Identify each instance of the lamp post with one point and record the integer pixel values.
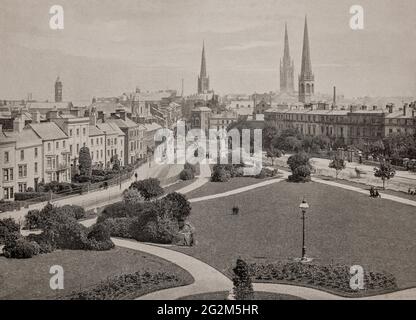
(304, 206)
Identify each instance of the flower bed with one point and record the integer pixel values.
(127, 286)
(334, 278)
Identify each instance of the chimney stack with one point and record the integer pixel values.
(18, 124)
(101, 116)
(405, 109)
(334, 101)
(35, 116)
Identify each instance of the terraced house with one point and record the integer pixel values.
(353, 125)
(56, 156)
(134, 147)
(20, 159)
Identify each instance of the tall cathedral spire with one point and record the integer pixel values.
(286, 68)
(203, 79)
(306, 77)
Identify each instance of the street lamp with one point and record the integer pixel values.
(304, 206)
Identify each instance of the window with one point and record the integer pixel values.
(101, 153)
(63, 144)
(8, 174)
(92, 142)
(77, 132)
(57, 144)
(36, 152)
(22, 171)
(8, 193)
(97, 155)
(77, 147)
(84, 131)
(22, 187)
(49, 146)
(22, 155)
(70, 132)
(70, 148)
(49, 163)
(83, 144)
(36, 168)
(6, 157)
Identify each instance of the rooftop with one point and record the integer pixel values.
(48, 131)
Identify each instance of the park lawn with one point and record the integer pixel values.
(364, 186)
(178, 185)
(211, 188)
(341, 227)
(29, 278)
(258, 295)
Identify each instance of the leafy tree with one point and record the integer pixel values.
(116, 163)
(148, 188)
(132, 197)
(385, 171)
(273, 152)
(177, 205)
(338, 164)
(298, 159)
(243, 287)
(85, 163)
(269, 132)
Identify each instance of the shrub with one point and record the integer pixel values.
(177, 206)
(81, 179)
(99, 232)
(148, 188)
(163, 231)
(115, 210)
(220, 174)
(132, 197)
(76, 212)
(33, 219)
(243, 287)
(7, 226)
(187, 174)
(19, 248)
(46, 240)
(22, 196)
(299, 159)
(71, 236)
(192, 167)
(119, 227)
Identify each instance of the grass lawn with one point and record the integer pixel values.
(219, 187)
(29, 278)
(357, 184)
(342, 227)
(258, 295)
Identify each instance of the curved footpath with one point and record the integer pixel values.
(208, 279)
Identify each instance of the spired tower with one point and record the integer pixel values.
(58, 90)
(287, 69)
(203, 79)
(306, 77)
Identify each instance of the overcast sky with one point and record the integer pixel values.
(110, 46)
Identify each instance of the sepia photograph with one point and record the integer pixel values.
(232, 151)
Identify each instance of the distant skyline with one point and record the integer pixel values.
(111, 46)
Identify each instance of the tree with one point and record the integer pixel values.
(177, 205)
(243, 287)
(273, 152)
(269, 132)
(148, 188)
(116, 163)
(385, 171)
(298, 159)
(132, 197)
(85, 163)
(338, 164)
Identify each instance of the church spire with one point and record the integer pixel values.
(203, 72)
(203, 79)
(306, 77)
(286, 68)
(286, 54)
(306, 70)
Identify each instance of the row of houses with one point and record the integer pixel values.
(36, 148)
(354, 124)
